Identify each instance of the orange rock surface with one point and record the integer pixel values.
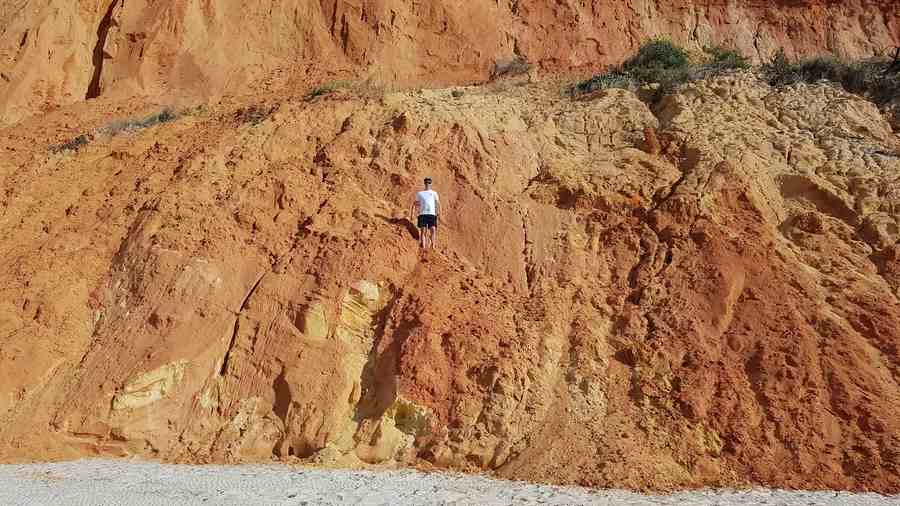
(234, 287)
(704, 293)
(55, 52)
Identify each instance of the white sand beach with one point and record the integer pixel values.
(132, 483)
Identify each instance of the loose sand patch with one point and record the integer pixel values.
(107, 482)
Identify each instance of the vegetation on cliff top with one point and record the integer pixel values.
(660, 67)
(877, 79)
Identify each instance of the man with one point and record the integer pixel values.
(429, 205)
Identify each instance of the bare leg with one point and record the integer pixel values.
(433, 237)
(422, 232)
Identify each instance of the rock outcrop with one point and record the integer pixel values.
(243, 283)
(57, 52)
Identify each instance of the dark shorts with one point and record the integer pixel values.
(427, 221)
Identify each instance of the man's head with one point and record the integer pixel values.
(427, 183)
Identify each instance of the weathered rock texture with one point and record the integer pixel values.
(244, 283)
(56, 52)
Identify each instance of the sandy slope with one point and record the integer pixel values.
(123, 483)
(717, 308)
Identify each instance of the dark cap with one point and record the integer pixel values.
(427, 180)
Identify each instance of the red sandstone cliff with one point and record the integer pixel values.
(56, 52)
(238, 285)
(705, 293)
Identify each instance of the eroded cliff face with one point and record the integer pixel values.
(715, 306)
(55, 52)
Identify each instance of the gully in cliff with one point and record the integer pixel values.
(429, 205)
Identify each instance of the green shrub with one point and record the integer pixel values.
(665, 65)
(870, 78)
(715, 68)
(859, 76)
(658, 61)
(886, 89)
(822, 67)
(668, 79)
(726, 59)
(614, 79)
(783, 72)
(874, 79)
(133, 125)
(658, 53)
(662, 63)
(780, 71)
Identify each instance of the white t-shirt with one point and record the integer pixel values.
(427, 200)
